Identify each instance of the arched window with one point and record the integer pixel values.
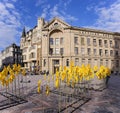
(32, 55)
(55, 24)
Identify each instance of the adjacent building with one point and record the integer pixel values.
(11, 55)
(31, 47)
(55, 43)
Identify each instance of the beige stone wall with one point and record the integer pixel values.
(57, 28)
(31, 46)
(69, 46)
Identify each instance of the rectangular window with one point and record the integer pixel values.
(56, 62)
(26, 64)
(76, 50)
(112, 63)
(100, 42)
(116, 44)
(67, 62)
(89, 51)
(106, 63)
(105, 43)
(76, 61)
(51, 41)
(82, 51)
(57, 41)
(106, 52)
(100, 52)
(33, 55)
(95, 62)
(116, 53)
(82, 41)
(83, 61)
(101, 61)
(75, 40)
(57, 51)
(111, 43)
(94, 51)
(94, 42)
(61, 51)
(24, 57)
(89, 61)
(88, 41)
(111, 52)
(51, 51)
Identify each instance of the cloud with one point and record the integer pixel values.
(45, 11)
(108, 17)
(55, 11)
(14, 0)
(50, 11)
(9, 5)
(9, 24)
(9, 0)
(40, 2)
(67, 3)
(27, 28)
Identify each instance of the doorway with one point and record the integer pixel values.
(55, 65)
(56, 68)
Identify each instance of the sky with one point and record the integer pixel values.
(17, 14)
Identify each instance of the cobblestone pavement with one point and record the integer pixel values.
(106, 101)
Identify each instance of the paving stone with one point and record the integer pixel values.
(106, 101)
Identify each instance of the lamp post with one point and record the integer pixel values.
(50, 53)
(61, 53)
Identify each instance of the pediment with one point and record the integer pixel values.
(56, 23)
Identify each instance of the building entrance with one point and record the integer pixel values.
(55, 66)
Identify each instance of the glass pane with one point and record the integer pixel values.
(57, 41)
(57, 51)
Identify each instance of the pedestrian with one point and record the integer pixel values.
(47, 73)
(107, 79)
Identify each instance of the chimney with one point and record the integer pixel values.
(40, 23)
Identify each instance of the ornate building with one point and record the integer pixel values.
(31, 47)
(55, 43)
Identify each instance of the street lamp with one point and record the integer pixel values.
(50, 53)
(61, 53)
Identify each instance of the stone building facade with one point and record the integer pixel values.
(59, 43)
(30, 45)
(11, 55)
